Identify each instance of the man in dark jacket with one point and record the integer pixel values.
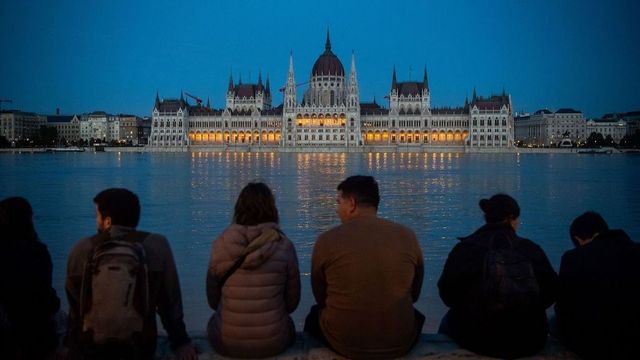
(598, 308)
(474, 320)
(117, 215)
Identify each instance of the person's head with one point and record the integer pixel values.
(356, 195)
(255, 205)
(501, 208)
(585, 227)
(16, 220)
(116, 206)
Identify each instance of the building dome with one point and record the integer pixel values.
(328, 63)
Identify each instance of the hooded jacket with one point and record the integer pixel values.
(252, 308)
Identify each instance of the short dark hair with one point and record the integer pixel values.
(121, 205)
(499, 208)
(255, 205)
(16, 220)
(363, 189)
(587, 225)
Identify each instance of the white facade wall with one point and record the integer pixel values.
(617, 129)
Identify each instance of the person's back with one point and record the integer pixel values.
(366, 274)
(598, 311)
(27, 300)
(253, 299)
(117, 215)
(509, 325)
(368, 268)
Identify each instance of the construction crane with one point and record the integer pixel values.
(197, 99)
(5, 101)
(297, 85)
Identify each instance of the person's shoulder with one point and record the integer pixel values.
(82, 246)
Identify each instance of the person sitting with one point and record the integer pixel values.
(116, 283)
(253, 281)
(497, 286)
(598, 312)
(28, 303)
(365, 274)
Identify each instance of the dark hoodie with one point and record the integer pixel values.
(505, 335)
(598, 308)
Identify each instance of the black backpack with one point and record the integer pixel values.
(509, 281)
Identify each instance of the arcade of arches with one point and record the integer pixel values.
(434, 137)
(234, 137)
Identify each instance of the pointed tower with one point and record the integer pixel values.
(425, 105)
(230, 92)
(208, 103)
(393, 95)
(353, 97)
(474, 97)
(157, 104)
(260, 86)
(425, 79)
(327, 44)
(290, 100)
(394, 82)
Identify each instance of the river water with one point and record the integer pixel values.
(189, 197)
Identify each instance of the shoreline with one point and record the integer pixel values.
(361, 149)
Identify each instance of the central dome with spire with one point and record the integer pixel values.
(328, 63)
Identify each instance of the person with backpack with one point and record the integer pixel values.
(116, 283)
(253, 281)
(28, 303)
(497, 286)
(598, 307)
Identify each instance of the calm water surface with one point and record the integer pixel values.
(189, 197)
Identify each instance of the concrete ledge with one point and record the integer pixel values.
(430, 346)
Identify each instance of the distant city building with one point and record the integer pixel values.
(608, 125)
(330, 114)
(632, 119)
(128, 129)
(144, 130)
(67, 126)
(546, 128)
(18, 125)
(99, 126)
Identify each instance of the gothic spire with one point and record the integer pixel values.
(230, 88)
(474, 98)
(327, 45)
(267, 86)
(157, 99)
(208, 103)
(260, 87)
(425, 79)
(394, 82)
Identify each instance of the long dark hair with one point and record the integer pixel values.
(16, 220)
(500, 208)
(255, 205)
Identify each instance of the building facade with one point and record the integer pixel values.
(546, 128)
(67, 127)
(17, 125)
(617, 128)
(330, 114)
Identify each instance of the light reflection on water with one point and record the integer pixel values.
(189, 197)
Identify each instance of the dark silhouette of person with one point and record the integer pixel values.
(598, 307)
(28, 303)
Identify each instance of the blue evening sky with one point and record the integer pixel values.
(113, 55)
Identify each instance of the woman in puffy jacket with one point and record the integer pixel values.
(253, 281)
